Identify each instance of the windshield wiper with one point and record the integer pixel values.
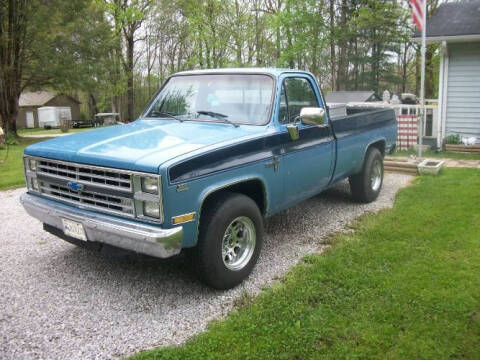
(164, 114)
(218, 116)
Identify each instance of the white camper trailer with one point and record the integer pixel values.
(53, 115)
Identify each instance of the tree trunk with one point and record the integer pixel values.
(13, 29)
(332, 43)
(93, 105)
(129, 72)
(429, 68)
(355, 70)
(404, 68)
(418, 69)
(342, 67)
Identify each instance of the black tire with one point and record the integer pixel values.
(218, 214)
(363, 188)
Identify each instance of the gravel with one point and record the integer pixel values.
(60, 301)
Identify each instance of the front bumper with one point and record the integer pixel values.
(141, 238)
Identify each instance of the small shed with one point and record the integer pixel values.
(30, 102)
(456, 26)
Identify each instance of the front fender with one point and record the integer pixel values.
(190, 196)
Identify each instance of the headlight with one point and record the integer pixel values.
(147, 195)
(150, 185)
(151, 208)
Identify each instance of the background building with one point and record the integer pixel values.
(30, 102)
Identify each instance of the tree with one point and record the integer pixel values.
(62, 53)
(128, 16)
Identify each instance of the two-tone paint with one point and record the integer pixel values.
(197, 159)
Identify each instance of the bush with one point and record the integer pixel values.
(11, 139)
(453, 139)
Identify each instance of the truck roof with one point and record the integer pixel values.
(253, 70)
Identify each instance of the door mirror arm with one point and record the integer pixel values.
(308, 116)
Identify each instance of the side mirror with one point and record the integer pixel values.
(312, 116)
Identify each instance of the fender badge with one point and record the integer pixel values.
(182, 187)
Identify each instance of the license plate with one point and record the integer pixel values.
(74, 229)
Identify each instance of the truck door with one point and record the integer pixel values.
(308, 161)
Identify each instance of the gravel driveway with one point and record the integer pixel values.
(59, 301)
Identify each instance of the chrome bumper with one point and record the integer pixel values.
(141, 238)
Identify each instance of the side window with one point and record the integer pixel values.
(283, 111)
(300, 94)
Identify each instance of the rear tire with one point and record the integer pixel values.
(230, 240)
(366, 185)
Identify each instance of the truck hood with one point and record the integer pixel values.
(139, 146)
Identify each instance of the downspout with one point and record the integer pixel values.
(444, 90)
(440, 98)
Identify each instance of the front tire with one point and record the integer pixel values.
(230, 240)
(366, 185)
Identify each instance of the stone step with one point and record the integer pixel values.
(399, 159)
(407, 165)
(473, 149)
(401, 170)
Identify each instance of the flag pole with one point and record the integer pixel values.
(422, 80)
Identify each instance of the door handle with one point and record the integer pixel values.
(274, 163)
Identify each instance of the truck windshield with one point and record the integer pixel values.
(227, 98)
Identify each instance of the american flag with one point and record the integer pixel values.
(417, 13)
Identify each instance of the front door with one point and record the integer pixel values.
(30, 121)
(308, 161)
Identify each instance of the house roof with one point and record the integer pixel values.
(349, 96)
(38, 98)
(454, 20)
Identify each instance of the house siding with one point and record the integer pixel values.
(22, 116)
(463, 92)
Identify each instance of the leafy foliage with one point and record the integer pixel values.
(453, 139)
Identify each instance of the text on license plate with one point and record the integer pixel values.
(74, 229)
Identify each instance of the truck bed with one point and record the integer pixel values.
(354, 131)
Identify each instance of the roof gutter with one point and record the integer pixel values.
(453, 38)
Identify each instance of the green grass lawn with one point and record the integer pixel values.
(11, 171)
(442, 154)
(404, 285)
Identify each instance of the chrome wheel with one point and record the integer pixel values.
(376, 175)
(238, 243)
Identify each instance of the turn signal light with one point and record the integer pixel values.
(183, 218)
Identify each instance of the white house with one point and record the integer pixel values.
(456, 26)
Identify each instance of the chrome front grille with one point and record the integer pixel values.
(112, 204)
(112, 191)
(88, 175)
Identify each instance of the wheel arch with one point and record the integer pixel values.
(379, 144)
(253, 187)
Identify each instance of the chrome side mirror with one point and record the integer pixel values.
(312, 116)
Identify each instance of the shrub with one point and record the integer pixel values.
(453, 139)
(11, 139)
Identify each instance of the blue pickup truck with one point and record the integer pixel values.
(214, 153)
